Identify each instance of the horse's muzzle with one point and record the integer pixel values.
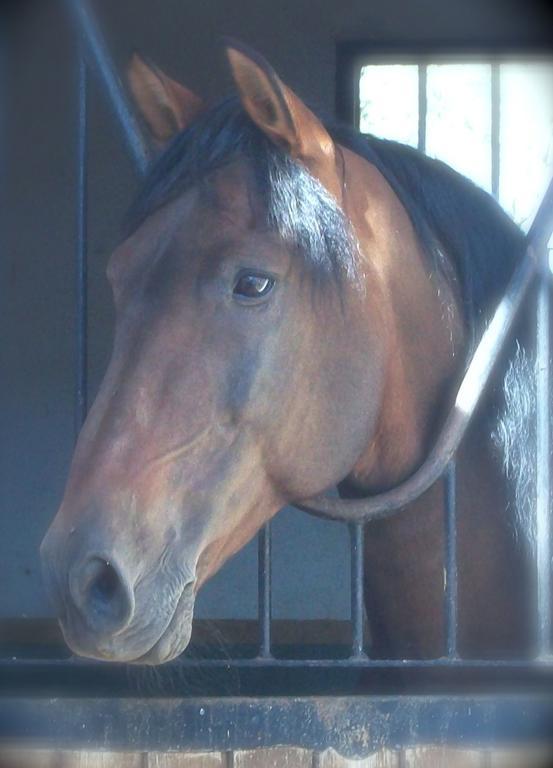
(104, 616)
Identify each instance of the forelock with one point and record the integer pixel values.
(294, 203)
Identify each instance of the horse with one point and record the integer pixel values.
(295, 305)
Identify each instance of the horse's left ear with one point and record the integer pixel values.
(283, 116)
(166, 106)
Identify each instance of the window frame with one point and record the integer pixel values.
(352, 56)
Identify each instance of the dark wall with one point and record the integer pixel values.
(37, 213)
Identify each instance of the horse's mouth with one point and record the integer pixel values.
(176, 636)
(168, 643)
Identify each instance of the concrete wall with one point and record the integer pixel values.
(37, 215)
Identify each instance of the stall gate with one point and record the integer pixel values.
(260, 710)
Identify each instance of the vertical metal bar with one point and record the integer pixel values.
(264, 587)
(3, 138)
(423, 107)
(495, 126)
(450, 571)
(357, 594)
(543, 459)
(101, 63)
(81, 266)
(356, 108)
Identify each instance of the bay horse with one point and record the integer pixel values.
(295, 305)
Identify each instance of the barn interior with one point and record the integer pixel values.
(319, 49)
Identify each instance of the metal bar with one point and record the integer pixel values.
(422, 107)
(101, 63)
(450, 571)
(495, 126)
(240, 662)
(468, 396)
(542, 226)
(543, 459)
(4, 40)
(264, 588)
(357, 597)
(354, 726)
(81, 247)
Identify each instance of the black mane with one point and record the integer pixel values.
(453, 218)
(450, 214)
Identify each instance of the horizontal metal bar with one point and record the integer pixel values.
(361, 662)
(354, 726)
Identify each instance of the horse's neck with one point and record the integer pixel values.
(405, 562)
(404, 565)
(424, 331)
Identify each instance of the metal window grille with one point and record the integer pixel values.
(486, 76)
(69, 702)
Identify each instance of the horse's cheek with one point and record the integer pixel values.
(237, 390)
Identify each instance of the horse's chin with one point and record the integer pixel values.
(171, 644)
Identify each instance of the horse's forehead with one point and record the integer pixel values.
(223, 204)
(231, 193)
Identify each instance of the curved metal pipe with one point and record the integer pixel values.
(470, 391)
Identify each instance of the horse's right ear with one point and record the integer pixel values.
(282, 116)
(166, 106)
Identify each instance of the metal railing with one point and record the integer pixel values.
(94, 57)
(534, 266)
(439, 464)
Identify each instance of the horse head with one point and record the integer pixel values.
(256, 358)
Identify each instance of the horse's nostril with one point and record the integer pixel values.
(102, 595)
(104, 587)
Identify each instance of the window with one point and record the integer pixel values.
(492, 120)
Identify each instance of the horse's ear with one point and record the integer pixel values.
(282, 115)
(166, 106)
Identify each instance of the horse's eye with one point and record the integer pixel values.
(250, 285)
